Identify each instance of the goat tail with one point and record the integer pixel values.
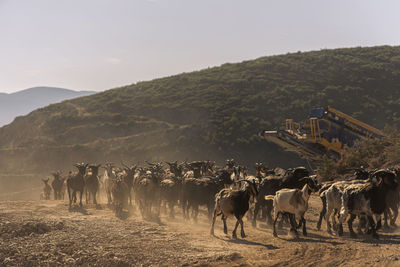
(269, 197)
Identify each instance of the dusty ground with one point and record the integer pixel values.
(45, 233)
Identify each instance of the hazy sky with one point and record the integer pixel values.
(99, 44)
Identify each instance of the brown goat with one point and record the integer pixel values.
(57, 184)
(46, 190)
(119, 191)
(147, 191)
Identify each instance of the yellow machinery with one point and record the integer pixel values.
(326, 132)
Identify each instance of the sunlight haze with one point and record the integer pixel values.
(98, 44)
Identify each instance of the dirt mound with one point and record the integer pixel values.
(19, 229)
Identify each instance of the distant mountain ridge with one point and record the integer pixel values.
(24, 101)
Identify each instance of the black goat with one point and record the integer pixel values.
(76, 183)
(392, 201)
(92, 183)
(201, 191)
(230, 202)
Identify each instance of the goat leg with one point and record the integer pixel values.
(171, 209)
(87, 196)
(213, 222)
(322, 213)
(183, 205)
(94, 197)
(350, 224)
(196, 212)
(361, 224)
(80, 199)
(300, 224)
(269, 208)
(234, 230)
(293, 224)
(256, 208)
(276, 218)
(304, 225)
(242, 234)
(372, 224)
(386, 214)
(394, 217)
(69, 196)
(225, 227)
(280, 224)
(328, 214)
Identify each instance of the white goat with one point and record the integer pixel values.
(293, 202)
(333, 197)
(368, 199)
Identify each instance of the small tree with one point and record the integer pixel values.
(327, 169)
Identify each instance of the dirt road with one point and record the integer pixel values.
(45, 233)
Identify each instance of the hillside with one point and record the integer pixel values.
(25, 101)
(210, 114)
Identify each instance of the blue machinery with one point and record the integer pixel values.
(327, 131)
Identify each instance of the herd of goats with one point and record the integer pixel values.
(230, 191)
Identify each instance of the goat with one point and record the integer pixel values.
(229, 202)
(57, 185)
(333, 199)
(293, 202)
(361, 175)
(76, 183)
(392, 201)
(201, 191)
(46, 190)
(261, 171)
(63, 188)
(92, 183)
(147, 190)
(269, 186)
(324, 186)
(208, 168)
(230, 163)
(128, 176)
(109, 176)
(120, 192)
(239, 173)
(171, 186)
(367, 199)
